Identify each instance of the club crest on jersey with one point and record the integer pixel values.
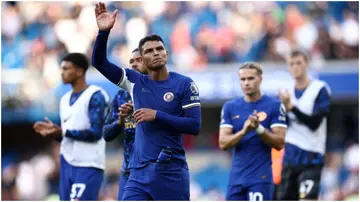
(261, 116)
(168, 97)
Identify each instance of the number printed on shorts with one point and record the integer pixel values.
(305, 187)
(77, 190)
(255, 196)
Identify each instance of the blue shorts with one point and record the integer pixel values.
(255, 192)
(79, 183)
(159, 181)
(124, 176)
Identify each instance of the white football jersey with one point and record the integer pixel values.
(76, 117)
(299, 134)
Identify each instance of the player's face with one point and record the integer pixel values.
(250, 81)
(154, 55)
(297, 66)
(69, 73)
(136, 63)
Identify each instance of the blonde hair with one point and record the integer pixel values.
(252, 65)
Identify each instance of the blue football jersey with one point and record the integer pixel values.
(172, 96)
(251, 157)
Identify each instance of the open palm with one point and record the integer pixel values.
(47, 128)
(50, 130)
(104, 19)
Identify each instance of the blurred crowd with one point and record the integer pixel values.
(340, 176)
(36, 34)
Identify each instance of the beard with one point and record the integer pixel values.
(156, 66)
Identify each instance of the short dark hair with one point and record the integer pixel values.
(152, 37)
(252, 65)
(298, 52)
(135, 50)
(78, 59)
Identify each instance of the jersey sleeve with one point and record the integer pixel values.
(322, 102)
(278, 118)
(120, 98)
(99, 60)
(128, 80)
(112, 128)
(112, 115)
(226, 116)
(190, 95)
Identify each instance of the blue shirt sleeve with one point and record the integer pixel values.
(117, 75)
(112, 128)
(132, 75)
(278, 116)
(322, 102)
(97, 106)
(189, 124)
(226, 116)
(99, 60)
(191, 97)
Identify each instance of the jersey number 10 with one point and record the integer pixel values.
(255, 196)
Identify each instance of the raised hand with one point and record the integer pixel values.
(104, 19)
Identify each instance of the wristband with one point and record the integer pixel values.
(260, 129)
